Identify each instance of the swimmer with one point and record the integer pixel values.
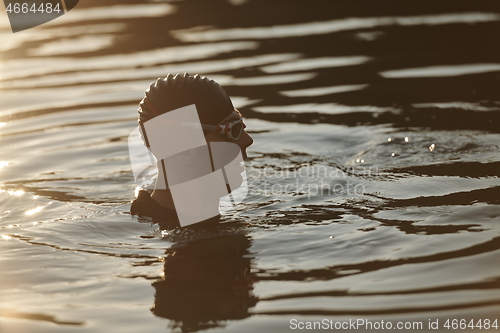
(220, 122)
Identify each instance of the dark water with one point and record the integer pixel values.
(374, 176)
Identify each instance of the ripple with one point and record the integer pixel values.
(315, 28)
(315, 63)
(327, 108)
(272, 79)
(116, 12)
(75, 45)
(13, 41)
(321, 91)
(493, 106)
(13, 69)
(97, 76)
(7, 313)
(441, 71)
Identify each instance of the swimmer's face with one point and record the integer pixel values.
(244, 141)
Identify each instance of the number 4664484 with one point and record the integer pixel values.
(24, 8)
(485, 324)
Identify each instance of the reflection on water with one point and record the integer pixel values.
(313, 28)
(122, 61)
(323, 90)
(440, 71)
(398, 101)
(117, 12)
(309, 64)
(205, 283)
(77, 45)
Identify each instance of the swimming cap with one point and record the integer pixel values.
(173, 92)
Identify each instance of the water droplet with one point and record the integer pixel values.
(389, 139)
(393, 154)
(431, 148)
(407, 139)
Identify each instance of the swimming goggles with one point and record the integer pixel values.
(232, 130)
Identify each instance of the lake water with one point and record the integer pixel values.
(374, 176)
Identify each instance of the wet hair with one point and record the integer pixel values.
(176, 91)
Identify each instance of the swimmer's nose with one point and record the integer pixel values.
(247, 139)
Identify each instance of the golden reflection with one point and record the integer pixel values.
(2, 124)
(322, 91)
(34, 210)
(117, 12)
(315, 63)
(328, 27)
(3, 163)
(16, 193)
(441, 71)
(6, 236)
(73, 45)
(326, 108)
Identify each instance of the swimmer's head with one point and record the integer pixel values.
(213, 105)
(189, 169)
(173, 92)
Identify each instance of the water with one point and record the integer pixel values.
(374, 176)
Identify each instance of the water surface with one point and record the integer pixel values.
(374, 176)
